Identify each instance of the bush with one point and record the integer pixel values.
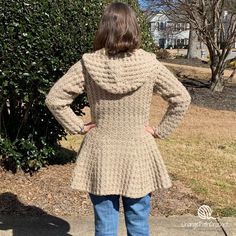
(39, 41)
(162, 53)
(232, 63)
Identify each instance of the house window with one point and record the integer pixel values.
(162, 26)
(162, 42)
(152, 26)
(180, 42)
(178, 27)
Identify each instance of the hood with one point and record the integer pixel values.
(119, 74)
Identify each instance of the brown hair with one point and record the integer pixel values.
(118, 30)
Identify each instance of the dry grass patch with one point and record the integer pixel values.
(206, 166)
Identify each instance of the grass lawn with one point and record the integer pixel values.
(206, 166)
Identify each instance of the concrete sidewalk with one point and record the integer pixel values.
(84, 226)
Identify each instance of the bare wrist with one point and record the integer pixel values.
(155, 135)
(82, 129)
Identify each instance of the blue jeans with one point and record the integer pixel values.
(106, 214)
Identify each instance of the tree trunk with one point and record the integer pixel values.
(217, 81)
(193, 44)
(217, 85)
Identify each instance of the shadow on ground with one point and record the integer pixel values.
(47, 225)
(63, 156)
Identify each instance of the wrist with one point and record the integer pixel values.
(82, 129)
(155, 134)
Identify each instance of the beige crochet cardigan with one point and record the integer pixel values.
(119, 156)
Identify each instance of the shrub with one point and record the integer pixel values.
(232, 63)
(162, 53)
(39, 41)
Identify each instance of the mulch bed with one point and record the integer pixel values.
(183, 61)
(204, 97)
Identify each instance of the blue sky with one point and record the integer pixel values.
(142, 4)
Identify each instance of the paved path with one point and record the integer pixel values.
(185, 225)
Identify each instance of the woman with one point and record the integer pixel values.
(119, 155)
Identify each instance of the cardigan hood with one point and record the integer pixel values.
(119, 74)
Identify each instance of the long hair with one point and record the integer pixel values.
(118, 30)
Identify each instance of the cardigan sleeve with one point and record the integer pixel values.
(177, 96)
(62, 94)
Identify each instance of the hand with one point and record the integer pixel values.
(151, 130)
(89, 126)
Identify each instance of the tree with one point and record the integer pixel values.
(159, 6)
(215, 24)
(193, 44)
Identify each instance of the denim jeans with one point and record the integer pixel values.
(106, 214)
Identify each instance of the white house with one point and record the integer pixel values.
(167, 34)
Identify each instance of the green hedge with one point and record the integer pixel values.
(39, 41)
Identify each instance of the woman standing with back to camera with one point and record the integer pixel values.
(119, 155)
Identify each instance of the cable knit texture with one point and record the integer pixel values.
(119, 156)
